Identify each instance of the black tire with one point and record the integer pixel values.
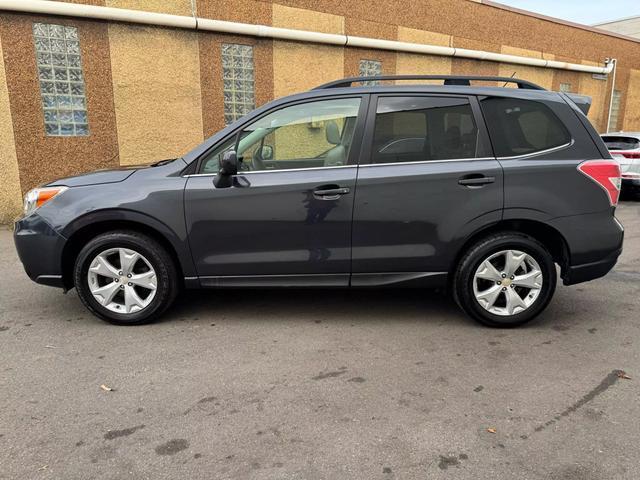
(166, 275)
(464, 277)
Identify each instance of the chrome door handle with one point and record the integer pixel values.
(330, 193)
(476, 181)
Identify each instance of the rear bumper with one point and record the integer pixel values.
(40, 247)
(590, 271)
(594, 241)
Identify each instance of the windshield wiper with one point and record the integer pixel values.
(162, 162)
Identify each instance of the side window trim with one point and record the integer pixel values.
(483, 147)
(355, 146)
(541, 152)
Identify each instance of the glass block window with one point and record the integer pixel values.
(238, 81)
(565, 87)
(615, 110)
(370, 68)
(61, 81)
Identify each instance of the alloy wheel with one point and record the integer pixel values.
(122, 280)
(507, 282)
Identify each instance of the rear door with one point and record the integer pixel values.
(427, 180)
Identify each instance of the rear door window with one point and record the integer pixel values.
(621, 143)
(522, 127)
(422, 128)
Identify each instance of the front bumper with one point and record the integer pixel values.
(40, 250)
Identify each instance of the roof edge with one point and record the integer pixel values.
(622, 19)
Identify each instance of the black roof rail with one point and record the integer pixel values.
(463, 80)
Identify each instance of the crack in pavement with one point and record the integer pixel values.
(604, 385)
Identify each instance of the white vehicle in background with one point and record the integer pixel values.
(625, 148)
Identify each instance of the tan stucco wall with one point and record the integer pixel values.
(598, 91)
(174, 7)
(408, 63)
(10, 193)
(297, 66)
(156, 90)
(541, 76)
(631, 122)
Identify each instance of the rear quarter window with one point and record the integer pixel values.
(522, 127)
(621, 143)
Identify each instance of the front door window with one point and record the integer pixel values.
(308, 135)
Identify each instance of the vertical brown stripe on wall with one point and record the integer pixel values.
(264, 71)
(211, 84)
(10, 194)
(42, 158)
(210, 46)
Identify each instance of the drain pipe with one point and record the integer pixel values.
(47, 7)
(613, 62)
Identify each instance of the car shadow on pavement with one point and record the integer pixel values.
(383, 305)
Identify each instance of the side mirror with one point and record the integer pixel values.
(228, 168)
(267, 152)
(229, 163)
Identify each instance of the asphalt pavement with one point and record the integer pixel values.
(322, 384)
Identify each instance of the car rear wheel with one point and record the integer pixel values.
(125, 278)
(505, 280)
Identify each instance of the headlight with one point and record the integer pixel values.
(37, 197)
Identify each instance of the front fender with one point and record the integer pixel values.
(123, 217)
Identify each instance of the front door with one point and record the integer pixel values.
(287, 218)
(427, 180)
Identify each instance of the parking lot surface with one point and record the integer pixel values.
(324, 384)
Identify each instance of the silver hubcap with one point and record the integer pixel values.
(508, 282)
(122, 280)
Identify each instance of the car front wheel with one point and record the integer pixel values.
(125, 277)
(505, 280)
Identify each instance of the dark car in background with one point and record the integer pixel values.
(625, 148)
(483, 190)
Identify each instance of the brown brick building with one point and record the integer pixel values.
(84, 87)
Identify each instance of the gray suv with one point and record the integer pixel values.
(479, 189)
